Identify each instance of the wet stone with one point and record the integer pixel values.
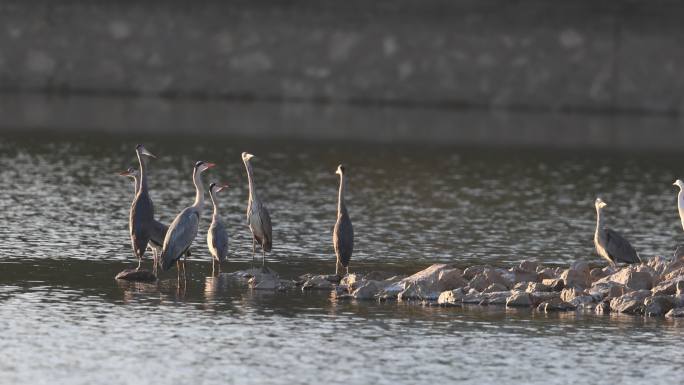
(141, 275)
(554, 304)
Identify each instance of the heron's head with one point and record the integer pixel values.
(143, 151)
(340, 170)
(130, 172)
(247, 156)
(599, 203)
(679, 184)
(215, 188)
(202, 166)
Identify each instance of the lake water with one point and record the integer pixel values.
(64, 319)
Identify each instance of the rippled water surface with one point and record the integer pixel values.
(64, 319)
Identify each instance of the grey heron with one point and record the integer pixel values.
(258, 219)
(609, 244)
(680, 199)
(183, 229)
(158, 229)
(217, 237)
(141, 217)
(343, 232)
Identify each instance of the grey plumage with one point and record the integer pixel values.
(258, 218)
(157, 230)
(343, 232)
(217, 236)
(141, 216)
(183, 229)
(611, 245)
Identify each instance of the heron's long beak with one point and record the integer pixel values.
(124, 173)
(225, 186)
(147, 153)
(209, 165)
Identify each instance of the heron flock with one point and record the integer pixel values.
(171, 244)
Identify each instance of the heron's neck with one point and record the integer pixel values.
(199, 190)
(599, 220)
(214, 202)
(250, 180)
(680, 199)
(136, 184)
(341, 207)
(143, 173)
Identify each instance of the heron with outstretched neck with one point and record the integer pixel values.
(183, 229)
(158, 229)
(343, 232)
(217, 236)
(609, 244)
(141, 218)
(258, 218)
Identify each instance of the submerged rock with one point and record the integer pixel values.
(263, 279)
(319, 282)
(554, 304)
(141, 275)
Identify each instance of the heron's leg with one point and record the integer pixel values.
(253, 251)
(178, 271)
(139, 261)
(155, 260)
(347, 269)
(213, 267)
(263, 258)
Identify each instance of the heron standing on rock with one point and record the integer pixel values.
(217, 237)
(158, 229)
(141, 219)
(343, 232)
(611, 245)
(183, 229)
(258, 219)
(680, 199)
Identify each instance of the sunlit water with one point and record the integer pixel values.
(64, 319)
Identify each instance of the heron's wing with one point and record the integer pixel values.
(158, 232)
(219, 239)
(180, 235)
(343, 238)
(619, 248)
(266, 224)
